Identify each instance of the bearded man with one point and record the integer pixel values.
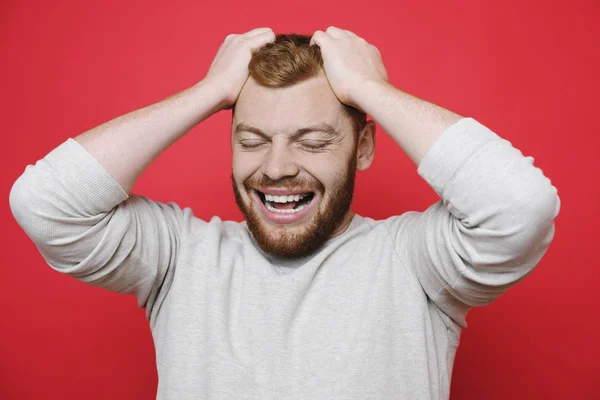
(304, 299)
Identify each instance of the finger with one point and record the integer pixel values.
(267, 35)
(336, 33)
(257, 31)
(261, 39)
(350, 33)
(224, 45)
(318, 38)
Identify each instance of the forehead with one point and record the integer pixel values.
(285, 110)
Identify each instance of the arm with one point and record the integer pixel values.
(414, 124)
(75, 205)
(126, 145)
(495, 219)
(493, 224)
(358, 78)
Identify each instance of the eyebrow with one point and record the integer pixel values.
(323, 127)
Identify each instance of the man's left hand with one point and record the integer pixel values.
(349, 62)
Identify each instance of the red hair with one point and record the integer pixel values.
(290, 59)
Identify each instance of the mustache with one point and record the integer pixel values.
(288, 184)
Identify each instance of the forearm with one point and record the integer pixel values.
(126, 145)
(414, 124)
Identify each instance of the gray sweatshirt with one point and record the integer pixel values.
(376, 313)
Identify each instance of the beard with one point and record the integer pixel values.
(303, 240)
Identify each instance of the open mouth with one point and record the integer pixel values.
(286, 204)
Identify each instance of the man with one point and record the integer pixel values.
(304, 299)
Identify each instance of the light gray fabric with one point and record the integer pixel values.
(375, 314)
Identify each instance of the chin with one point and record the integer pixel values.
(296, 222)
(286, 240)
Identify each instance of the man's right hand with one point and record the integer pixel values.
(126, 145)
(229, 70)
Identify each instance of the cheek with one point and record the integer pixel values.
(328, 175)
(327, 170)
(244, 165)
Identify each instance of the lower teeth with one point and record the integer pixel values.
(288, 211)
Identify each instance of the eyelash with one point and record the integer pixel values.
(315, 146)
(310, 147)
(250, 146)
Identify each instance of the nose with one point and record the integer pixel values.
(279, 163)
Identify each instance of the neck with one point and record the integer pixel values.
(343, 225)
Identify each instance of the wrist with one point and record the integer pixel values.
(369, 93)
(215, 93)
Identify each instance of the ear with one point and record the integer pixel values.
(366, 146)
(231, 128)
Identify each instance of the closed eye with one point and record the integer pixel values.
(250, 143)
(313, 144)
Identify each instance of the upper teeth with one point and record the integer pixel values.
(284, 199)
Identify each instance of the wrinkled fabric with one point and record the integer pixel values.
(376, 313)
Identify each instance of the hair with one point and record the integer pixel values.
(289, 60)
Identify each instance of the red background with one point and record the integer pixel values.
(527, 70)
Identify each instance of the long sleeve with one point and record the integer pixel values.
(493, 224)
(85, 225)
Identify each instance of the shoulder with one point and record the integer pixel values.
(214, 228)
(393, 227)
(388, 224)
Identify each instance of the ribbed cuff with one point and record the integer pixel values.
(450, 151)
(87, 180)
